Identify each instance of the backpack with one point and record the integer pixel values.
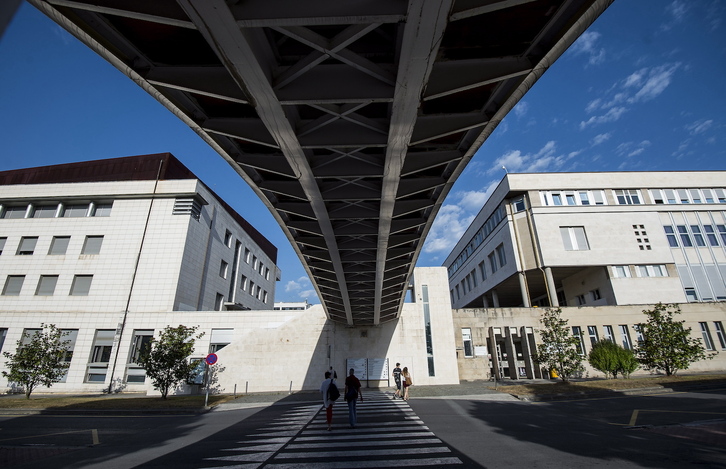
(333, 393)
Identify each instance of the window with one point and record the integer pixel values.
(716, 324)
(683, 196)
(492, 262)
(570, 198)
(697, 236)
(92, 245)
(671, 236)
(218, 302)
(574, 238)
(468, 346)
(584, 199)
(518, 205)
(247, 255)
(577, 332)
(621, 271)
(592, 332)
(710, 235)
(695, 196)
(27, 245)
(17, 211)
(708, 195)
(658, 270)
(556, 199)
(721, 195)
(264, 296)
(608, 333)
(472, 274)
(596, 294)
(100, 356)
(243, 283)
(44, 211)
(70, 336)
(223, 267)
(483, 270)
(81, 285)
(13, 285)
(2, 244)
(685, 238)
(46, 285)
(639, 334)
(691, 294)
(656, 195)
(252, 287)
(103, 210)
(75, 211)
(627, 197)
(722, 232)
(219, 339)
(140, 342)
(254, 262)
(707, 341)
(625, 336)
(3, 334)
(501, 255)
(59, 245)
(227, 238)
(580, 300)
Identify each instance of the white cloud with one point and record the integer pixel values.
(699, 127)
(301, 288)
(521, 109)
(657, 81)
(450, 224)
(586, 44)
(611, 116)
(630, 149)
(292, 286)
(677, 11)
(601, 138)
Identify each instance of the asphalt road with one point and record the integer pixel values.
(660, 431)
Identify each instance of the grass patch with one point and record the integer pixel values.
(110, 402)
(596, 386)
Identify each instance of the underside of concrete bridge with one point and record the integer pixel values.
(350, 119)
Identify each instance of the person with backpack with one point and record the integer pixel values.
(330, 394)
(352, 392)
(397, 379)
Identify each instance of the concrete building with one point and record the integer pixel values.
(594, 239)
(602, 245)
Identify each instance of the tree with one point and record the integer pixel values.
(611, 359)
(666, 344)
(38, 361)
(166, 359)
(559, 349)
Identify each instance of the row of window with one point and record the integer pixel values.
(626, 271)
(80, 286)
(497, 259)
(58, 245)
(626, 342)
(101, 349)
(688, 236)
(56, 210)
(634, 197)
(494, 219)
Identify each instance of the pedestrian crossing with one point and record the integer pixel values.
(388, 434)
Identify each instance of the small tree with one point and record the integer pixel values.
(559, 349)
(666, 344)
(611, 359)
(166, 359)
(41, 361)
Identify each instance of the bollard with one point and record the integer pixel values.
(247, 387)
(290, 392)
(235, 390)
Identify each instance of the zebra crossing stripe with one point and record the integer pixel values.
(367, 443)
(369, 464)
(370, 452)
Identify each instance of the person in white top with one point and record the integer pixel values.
(327, 403)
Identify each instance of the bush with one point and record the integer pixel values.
(611, 359)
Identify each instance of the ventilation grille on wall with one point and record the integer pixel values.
(189, 206)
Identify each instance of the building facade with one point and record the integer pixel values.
(120, 236)
(594, 239)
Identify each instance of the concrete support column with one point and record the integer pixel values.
(551, 289)
(509, 336)
(495, 299)
(523, 290)
(527, 351)
(485, 301)
(493, 352)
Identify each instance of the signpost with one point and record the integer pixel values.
(210, 359)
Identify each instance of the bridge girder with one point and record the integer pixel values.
(350, 120)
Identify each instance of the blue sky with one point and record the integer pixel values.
(642, 90)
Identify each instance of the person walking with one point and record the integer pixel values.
(397, 379)
(406, 381)
(327, 401)
(351, 393)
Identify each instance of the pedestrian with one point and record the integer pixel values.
(406, 381)
(397, 379)
(333, 374)
(327, 400)
(351, 393)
